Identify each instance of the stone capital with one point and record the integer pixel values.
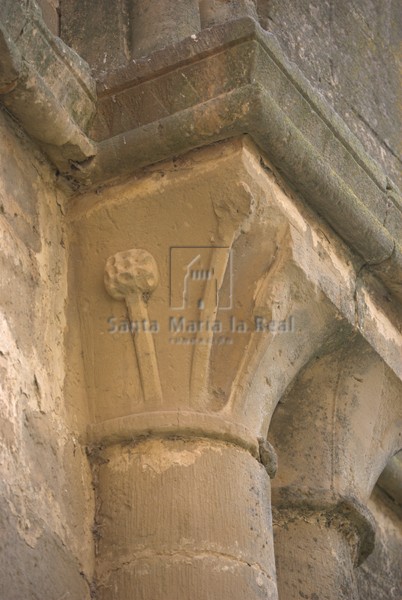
(236, 287)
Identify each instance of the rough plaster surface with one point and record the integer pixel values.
(45, 512)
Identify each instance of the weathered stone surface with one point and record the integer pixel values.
(349, 51)
(379, 577)
(45, 85)
(247, 85)
(35, 563)
(46, 500)
(157, 24)
(345, 406)
(167, 525)
(51, 14)
(284, 263)
(109, 220)
(313, 560)
(391, 479)
(100, 36)
(288, 237)
(221, 11)
(334, 432)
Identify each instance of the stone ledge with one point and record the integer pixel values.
(46, 86)
(229, 80)
(232, 80)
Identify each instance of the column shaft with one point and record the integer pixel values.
(314, 560)
(183, 519)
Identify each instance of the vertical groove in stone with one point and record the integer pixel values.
(160, 23)
(213, 12)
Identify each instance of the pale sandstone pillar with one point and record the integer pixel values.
(159, 23)
(335, 431)
(183, 518)
(177, 413)
(321, 550)
(218, 11)
(317, 549)
(183, 507)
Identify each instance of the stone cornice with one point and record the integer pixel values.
(46, 86)
(234, 79)
(229, 80)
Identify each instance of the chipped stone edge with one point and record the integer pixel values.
(45, 109)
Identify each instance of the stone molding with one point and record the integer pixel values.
(234, 79)
(46, 86)
(172, 423)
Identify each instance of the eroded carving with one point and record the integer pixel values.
(132, 276)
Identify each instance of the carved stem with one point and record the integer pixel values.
(145, 350)
(202, 352)
(131, 276)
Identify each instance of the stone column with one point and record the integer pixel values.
(302, 548)
(219, 11)
(188, 350)
(160, 23)
(335, 431)
(183, 517)
(184, 508)
(317, 548)
(177, 507)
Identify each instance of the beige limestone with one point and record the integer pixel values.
(261, 257)
(167, 525)
(380, 575)
(249, 308)
(46, 506)
(313, 560)
(334, 431)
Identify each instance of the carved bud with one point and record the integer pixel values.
(131, 272)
